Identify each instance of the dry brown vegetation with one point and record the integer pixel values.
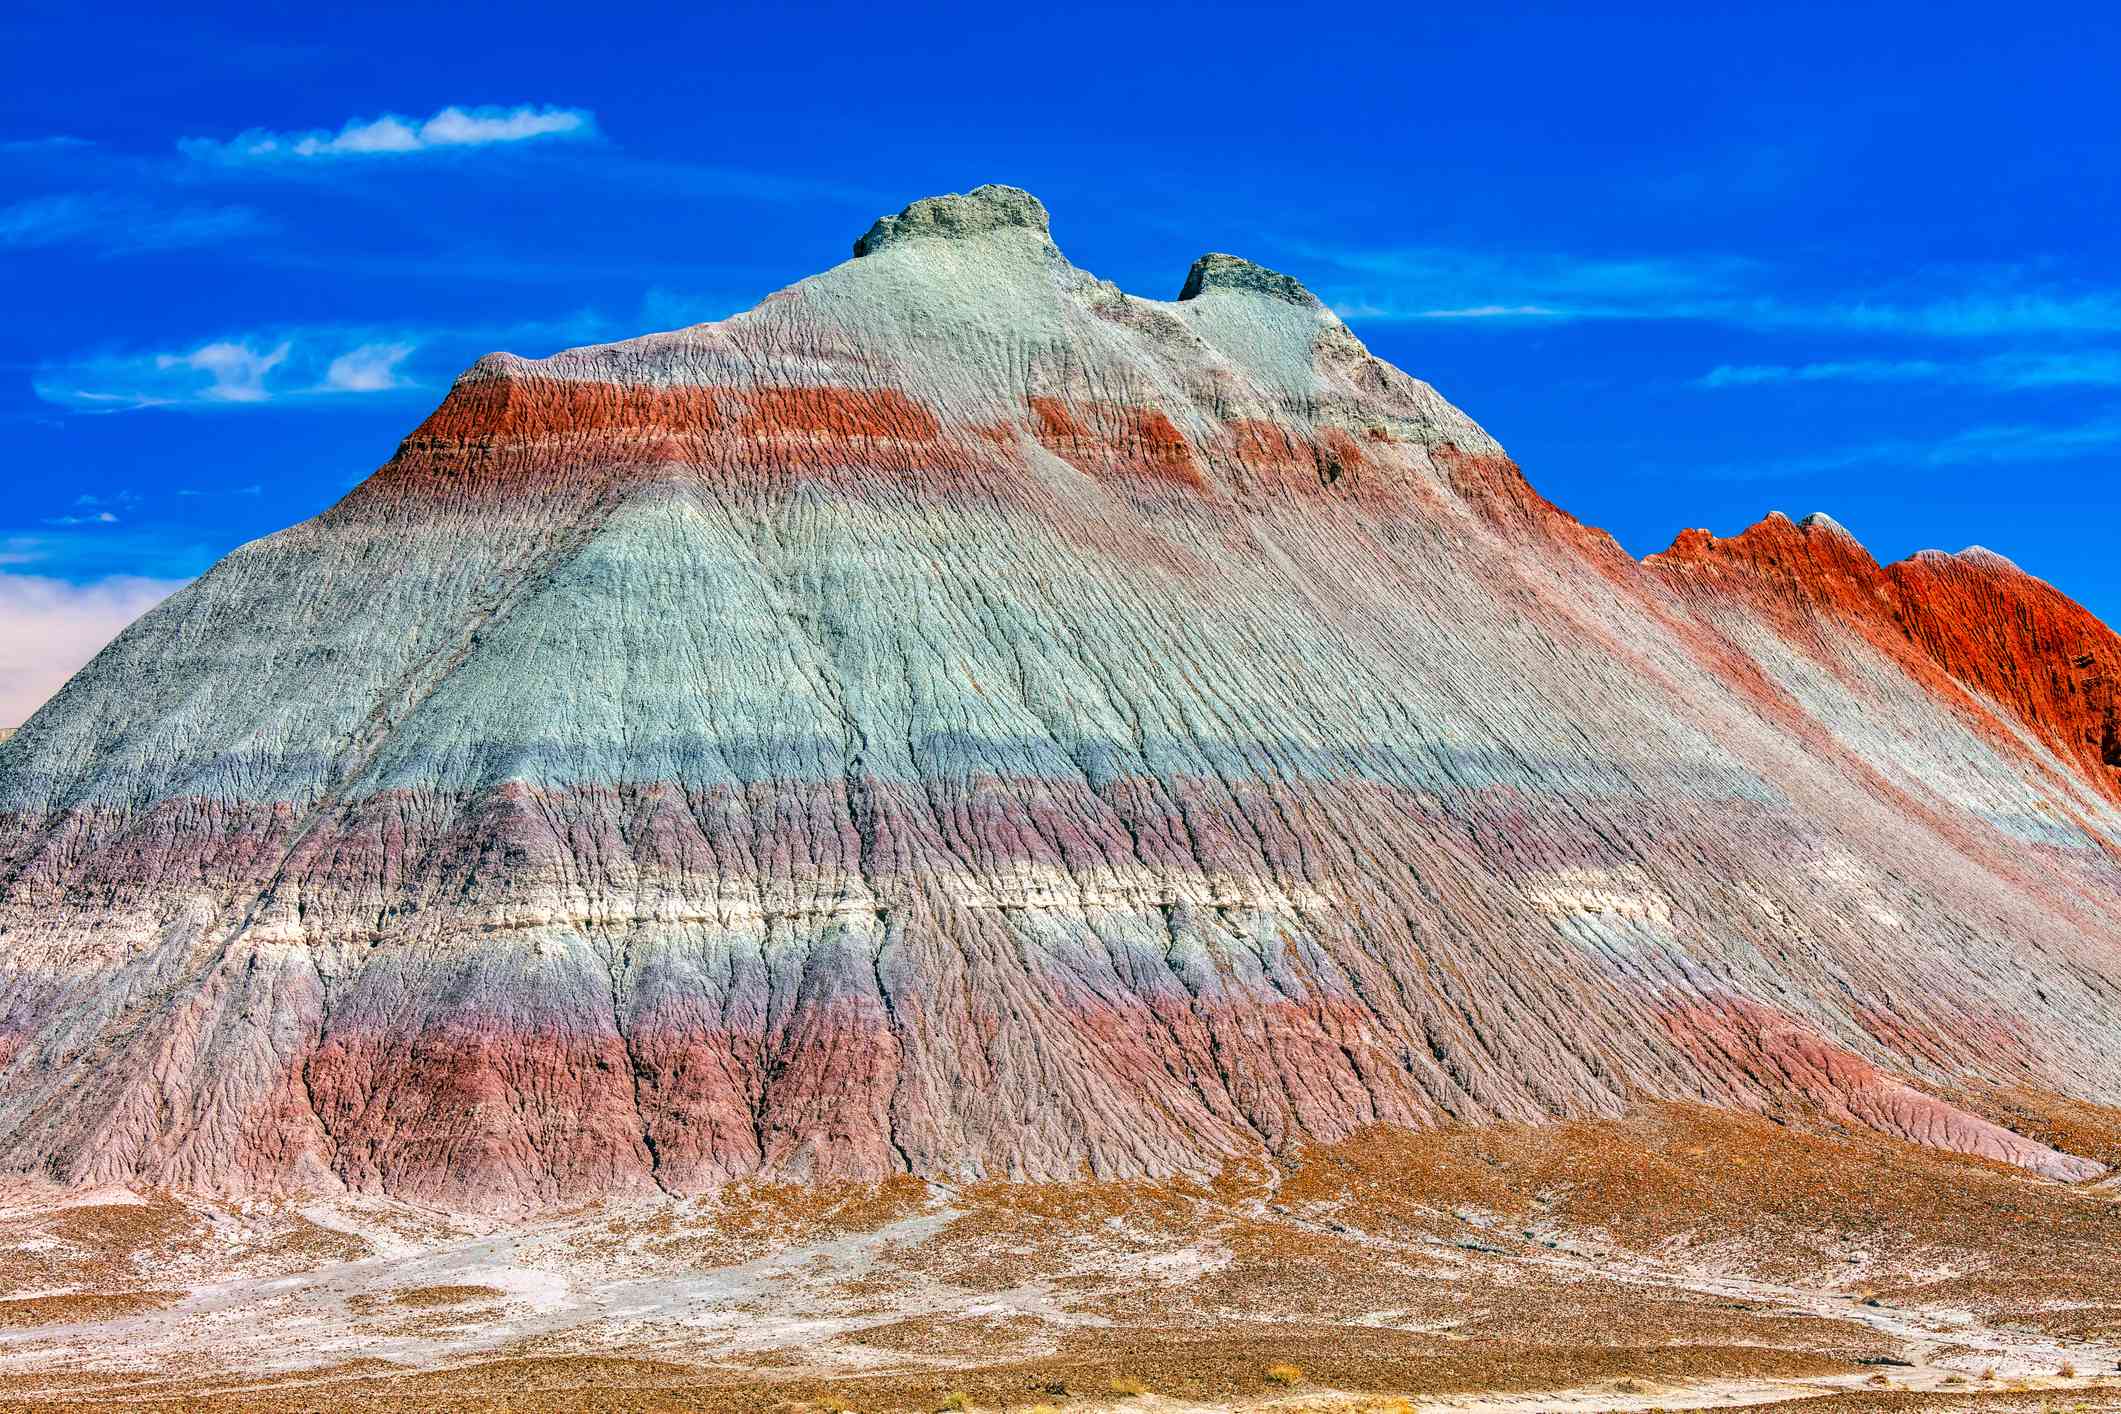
(81, 1306)
(428, 1296)
(1634, 1259)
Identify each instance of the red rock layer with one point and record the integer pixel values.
(2023, 645)
(1983, 633)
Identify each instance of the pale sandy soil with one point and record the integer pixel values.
(1680, 1260)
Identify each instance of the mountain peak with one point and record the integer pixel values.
(959, 719)
(957, 216)
(1215, 271)
(1988, 559)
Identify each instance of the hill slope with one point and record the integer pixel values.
(959, 718)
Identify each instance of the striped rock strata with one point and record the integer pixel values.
(961, 718)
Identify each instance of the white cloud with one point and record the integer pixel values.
(49, 628)
(1853, 371)
(393, 133)
(1493, 311)
(371, 368)
(453, 127)
(237, 370)
(273, 366)
(1444, 282)
(294, 363)
(2014, 370)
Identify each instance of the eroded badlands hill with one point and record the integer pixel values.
(960, 718)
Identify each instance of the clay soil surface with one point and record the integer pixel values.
(1677, 1259)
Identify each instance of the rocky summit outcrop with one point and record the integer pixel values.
(958, 718)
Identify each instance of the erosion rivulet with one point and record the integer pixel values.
(964, 720)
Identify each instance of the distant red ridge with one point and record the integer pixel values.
(1974, 621)
(2023, 644)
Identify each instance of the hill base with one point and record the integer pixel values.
(1679, 1258)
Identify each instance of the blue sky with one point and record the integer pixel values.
(1689, 267)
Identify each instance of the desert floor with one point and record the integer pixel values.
(1676, 1259)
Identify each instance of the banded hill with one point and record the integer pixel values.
(960, 719)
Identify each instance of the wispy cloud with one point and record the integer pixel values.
(1998, 313)
(94, 510)
(396, 135)
(371, 368)
(1445, 283)
(241, 371)
(1440, 282)
(102, 548)
(1850, 371)
(49, 628)
(236, 370)
(2020, 442)
(1478, 311)
(273, 366)
(2008, 371)
(1984, 444)
(119, 224)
